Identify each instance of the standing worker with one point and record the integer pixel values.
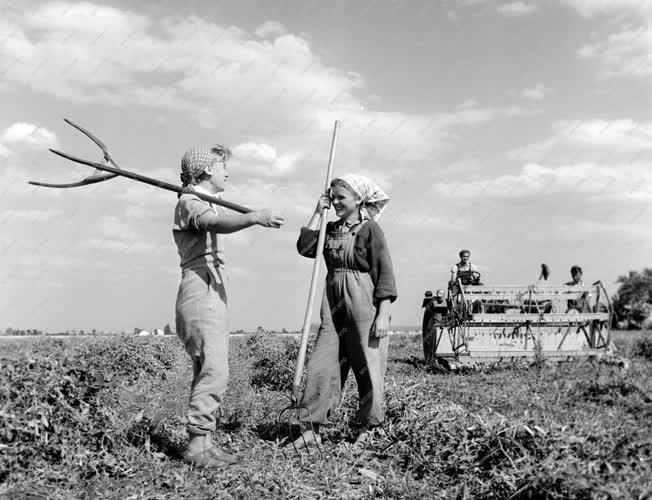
(201, 307)
(434, 316)
(355, 310)
(427, 313)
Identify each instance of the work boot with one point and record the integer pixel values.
(202, 452)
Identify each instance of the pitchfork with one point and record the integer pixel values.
(108, 169)
(295, 396)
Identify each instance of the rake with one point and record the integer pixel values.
(295, 407)
(109, 169)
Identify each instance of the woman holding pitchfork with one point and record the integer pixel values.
(201, 308)
(355, 310)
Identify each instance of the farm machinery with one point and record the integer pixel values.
(484, 324)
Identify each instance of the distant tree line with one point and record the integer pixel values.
(632, 303)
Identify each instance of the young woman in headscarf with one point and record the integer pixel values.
(201, 308)
(355, 310)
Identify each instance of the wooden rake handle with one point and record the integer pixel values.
(301, 358)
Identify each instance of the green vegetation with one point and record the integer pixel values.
(633, 302)
(103, 418)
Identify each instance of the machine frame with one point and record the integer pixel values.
(501, 323)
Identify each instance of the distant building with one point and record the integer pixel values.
(143, 333)
(158, 331)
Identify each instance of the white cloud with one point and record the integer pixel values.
(591, 8)
(285, 163)
(29, 214)
(264, 160)
(123, 247)
(620, 227)
(30, 134)
(4, 151)
(83, 52)
(517, 9)
(120, 236)
(255, 151)
(469, 103)
(587, 181)
(622, 140)
(90, 53)
(535, 93)
(625, 52)
(14, 178)
(271, 29)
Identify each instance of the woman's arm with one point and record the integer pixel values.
(323, 203)
(226, 224)
(380, 264)
(307, 242)
(380, 326)
(195, 214)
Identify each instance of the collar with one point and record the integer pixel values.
(203, 190)
(353, 220)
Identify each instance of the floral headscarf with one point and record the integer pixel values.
(373, 198)
(196, 160)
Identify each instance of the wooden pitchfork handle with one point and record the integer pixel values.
(104, 172)
(301, 358)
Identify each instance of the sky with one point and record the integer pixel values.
(520, 130)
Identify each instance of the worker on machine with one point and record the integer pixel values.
(581, 304)
(465, 270)
(434, 318)
(576, 276)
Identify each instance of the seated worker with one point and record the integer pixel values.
(582, 303)
(465, 271)
(576, 275)
(434, 316)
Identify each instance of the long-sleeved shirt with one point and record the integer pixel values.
(371, 256)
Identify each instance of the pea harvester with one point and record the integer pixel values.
(484, 324)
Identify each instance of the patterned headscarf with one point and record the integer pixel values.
(373, 198)
(197, 160)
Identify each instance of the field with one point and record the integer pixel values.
(103, 418)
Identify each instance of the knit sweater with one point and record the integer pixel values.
(371, 256)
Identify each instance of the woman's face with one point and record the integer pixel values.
(344, 202)
(218, 176)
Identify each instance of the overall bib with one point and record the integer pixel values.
(344, 341)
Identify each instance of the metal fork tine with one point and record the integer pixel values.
(74, 158)
(91, 179)
(295, 405)
(89, 135)
(98, 176)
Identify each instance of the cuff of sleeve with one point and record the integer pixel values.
(392, 298)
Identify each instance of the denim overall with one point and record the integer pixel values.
(343, 341)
